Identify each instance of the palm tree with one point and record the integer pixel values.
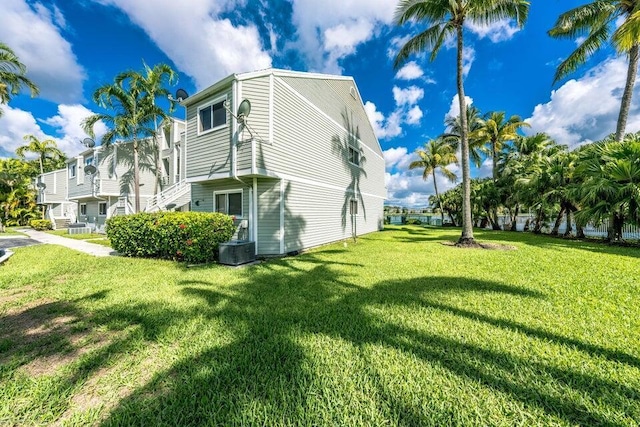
(153, 83)
(46, 149)
(595, 21)
(12, 76)
(133, 118)
(437, 154)
(494, 130)
(445, 19)
(454, 133)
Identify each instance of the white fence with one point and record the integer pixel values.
(629, 232)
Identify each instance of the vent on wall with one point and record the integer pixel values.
(352, 91)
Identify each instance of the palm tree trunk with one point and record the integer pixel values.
(569, 229)
(556, 226)
(514, 218)
(628, 92)
(494, 159)
(435, 186)
(537, 228)
(136, 176)
(467, 226)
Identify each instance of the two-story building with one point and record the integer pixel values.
(302, 168)
(99, 181)
(52, 194)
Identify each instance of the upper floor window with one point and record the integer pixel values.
(212, 116)
(354, 156)
(72, 170)
(88, 160)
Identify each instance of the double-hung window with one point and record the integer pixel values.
(83, 208)
(72, 170)
(229, 203)
(212, 116)
(102, 208)
(354, 156)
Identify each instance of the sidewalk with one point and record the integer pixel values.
(79, 245)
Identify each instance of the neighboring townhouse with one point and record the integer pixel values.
(302, 169)
(52, 194)
(100, 180)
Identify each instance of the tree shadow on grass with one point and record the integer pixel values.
(265, 375)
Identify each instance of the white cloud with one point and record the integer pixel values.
(383, 128)
(496, 32)
(409, 96)
(395, 44)
(17, 123)
(407, 188)
(396, 157)
(468, 56)
(454, 109)
(410, 71)
(200, 44)
(414, 115)
(586, 109)
(68, 125)
(355, 20)
(33, 32)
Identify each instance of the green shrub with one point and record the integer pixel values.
(41, 224)
(414, 221)
(190, 236)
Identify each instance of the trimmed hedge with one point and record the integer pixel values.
(41, 224)
(186, 236)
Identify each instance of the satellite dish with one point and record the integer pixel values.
(243, 110)
(181, 95)
(41, 185)
(88, 142)
(90, 169)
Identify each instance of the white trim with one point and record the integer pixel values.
(211, 103)
(227, 192)
(272, 174)
(318, 110)
(254, 226)
(289, 73)
(236, 90)
(253, 156)
(281, 233)
(271, 108)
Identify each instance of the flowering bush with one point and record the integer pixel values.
(190, 236)
(41, 224)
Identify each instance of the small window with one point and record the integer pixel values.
(88, 160)
(72, 171)
(354, 156)
(102, 208)
(212, 116)
(352, 91)
(229, 203)
(83, 208)
(353, 207)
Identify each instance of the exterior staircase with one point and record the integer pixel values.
(179, 194)
(62, 223)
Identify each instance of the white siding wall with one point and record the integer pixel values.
(209, 153)
(203, 194)
(269, 216)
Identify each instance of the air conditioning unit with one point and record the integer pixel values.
(237, 252)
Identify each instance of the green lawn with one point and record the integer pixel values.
(100, 239)
(397, 329)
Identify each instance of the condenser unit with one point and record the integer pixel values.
(237, 252)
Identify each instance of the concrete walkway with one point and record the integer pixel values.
(79, 245)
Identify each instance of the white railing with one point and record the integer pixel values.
(162, 199)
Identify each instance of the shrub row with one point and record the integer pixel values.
(41, 224)
(188, 236)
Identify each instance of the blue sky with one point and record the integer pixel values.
(73, 47)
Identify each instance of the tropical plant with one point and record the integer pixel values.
(436, 155)
(153, 82)
(595, 23)
(12, 76)
(608, 187)
(446, 19)
(17, 197)
(453, 135)
(49, 156)
(494, 130)
(132, 116)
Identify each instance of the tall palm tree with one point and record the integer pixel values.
(45, 149)
(153, 82)
(12, 76)
(595, 22)
(445, 19)
(454, 133)
(437, 154)
(494, 130)
(132, 118)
